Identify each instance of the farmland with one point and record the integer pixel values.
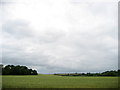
(52, 81)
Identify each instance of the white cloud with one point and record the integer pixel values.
(60, 36)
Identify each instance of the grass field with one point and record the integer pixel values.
(52, 81)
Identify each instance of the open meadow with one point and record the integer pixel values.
(52, 81)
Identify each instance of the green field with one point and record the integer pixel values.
(52, 81)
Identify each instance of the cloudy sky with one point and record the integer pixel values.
(60, 35)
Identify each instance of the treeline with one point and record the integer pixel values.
(17, 70)
(106, 73)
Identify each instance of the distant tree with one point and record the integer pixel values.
(110, 73)
(34, 72)
(17, 70)
(119, 72)
(106, 73)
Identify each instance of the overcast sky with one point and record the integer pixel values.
(60, 35)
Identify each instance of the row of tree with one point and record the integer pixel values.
(106, 73)
(17, 70)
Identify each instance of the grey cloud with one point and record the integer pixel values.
(73, 52)
(81, 47)
(17, 28)
(4, 2)
(50, 35)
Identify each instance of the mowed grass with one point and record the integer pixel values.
(52, 81)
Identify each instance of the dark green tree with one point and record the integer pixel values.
(17, 70)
